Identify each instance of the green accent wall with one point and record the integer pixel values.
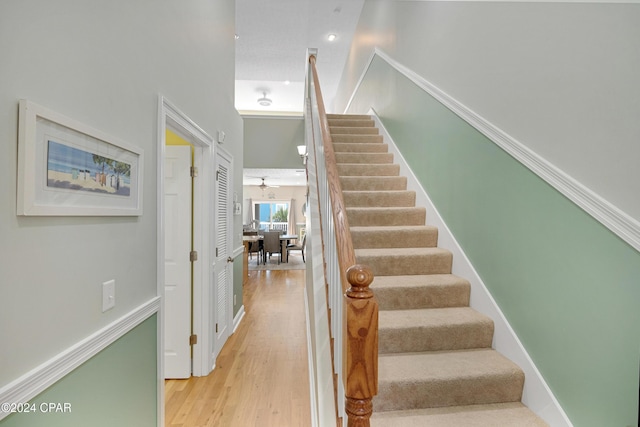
(117, 387)
(237, 284)
(568, 286)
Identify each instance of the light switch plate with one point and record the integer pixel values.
(108, 295)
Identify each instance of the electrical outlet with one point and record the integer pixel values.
(108, 295)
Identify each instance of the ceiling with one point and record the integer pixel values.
(279, 177)
(272, 40)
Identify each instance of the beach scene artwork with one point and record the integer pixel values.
(74, 169)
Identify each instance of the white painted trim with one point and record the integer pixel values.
(170, 115)
(537, 395)
(313, 397)
(616, 220)
(40, 378)
(238, 318)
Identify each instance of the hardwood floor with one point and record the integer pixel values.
(261, 375)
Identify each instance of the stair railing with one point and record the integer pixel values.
(352, 306)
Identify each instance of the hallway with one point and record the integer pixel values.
(261, 374)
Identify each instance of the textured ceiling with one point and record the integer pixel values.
(273, 38)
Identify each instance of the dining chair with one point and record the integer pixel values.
(297, 247)
(271, 245)
(254, 247)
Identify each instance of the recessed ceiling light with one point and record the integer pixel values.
(331, 37)
(237, 37)
(287, 82)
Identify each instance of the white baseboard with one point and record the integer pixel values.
(42, 377)
(537, 395)
(238, 318)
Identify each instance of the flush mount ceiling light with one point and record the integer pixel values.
(331, 37)
(264, 101)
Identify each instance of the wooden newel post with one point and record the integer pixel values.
(361, 346)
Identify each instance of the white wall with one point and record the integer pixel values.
(103, 64)
(271, 141)
(560, 78)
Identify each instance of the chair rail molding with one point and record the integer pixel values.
(616, 220)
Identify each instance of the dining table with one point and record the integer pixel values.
(284, 241)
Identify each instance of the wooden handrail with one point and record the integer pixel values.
(360, 344)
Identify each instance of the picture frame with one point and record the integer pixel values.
(66, 168)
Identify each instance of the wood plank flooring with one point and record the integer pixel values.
(261, 376)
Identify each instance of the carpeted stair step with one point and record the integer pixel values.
(351, 122)
(448, 378)
(405, 236)
(360, 147)
(342, 130)
(373, 183)
(421, 291)
(433, 329)
(381, 216)
(405, 261)
(371, 158)
(356, 139)
(402, 198)
(355, 169)
(511, 414)
(348, 116)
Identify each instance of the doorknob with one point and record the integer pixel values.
(229, 259)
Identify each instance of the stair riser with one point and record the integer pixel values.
(351, 123)
(342, 130)
(364, 217)
(394, 239)
(364, 158)
(407, 298)
(429, 394)
(368, 170)
(356, 139)
(360, 147)
(445, 337)
(373, 183)
(349, 116)
(379, 199)
(409, 264)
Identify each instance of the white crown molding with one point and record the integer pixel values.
(42, 377)
(619, 222)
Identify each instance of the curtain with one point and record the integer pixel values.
(291, 220)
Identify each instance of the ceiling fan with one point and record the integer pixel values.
(263, 185)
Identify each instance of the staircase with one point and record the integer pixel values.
(436, 366)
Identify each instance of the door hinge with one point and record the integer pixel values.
(194, 171)
(193, 256)
(193, 340)
(216, 252)
(217, 175)
(216, 328)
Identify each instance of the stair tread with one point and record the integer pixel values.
(400, 252)
(430, 317)
(418, 280)
(444, 366)
(513, 414)
(393, 228)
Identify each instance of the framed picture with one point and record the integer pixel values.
(66, 168)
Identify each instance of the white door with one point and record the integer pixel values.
(177, 289)
(222, 270)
